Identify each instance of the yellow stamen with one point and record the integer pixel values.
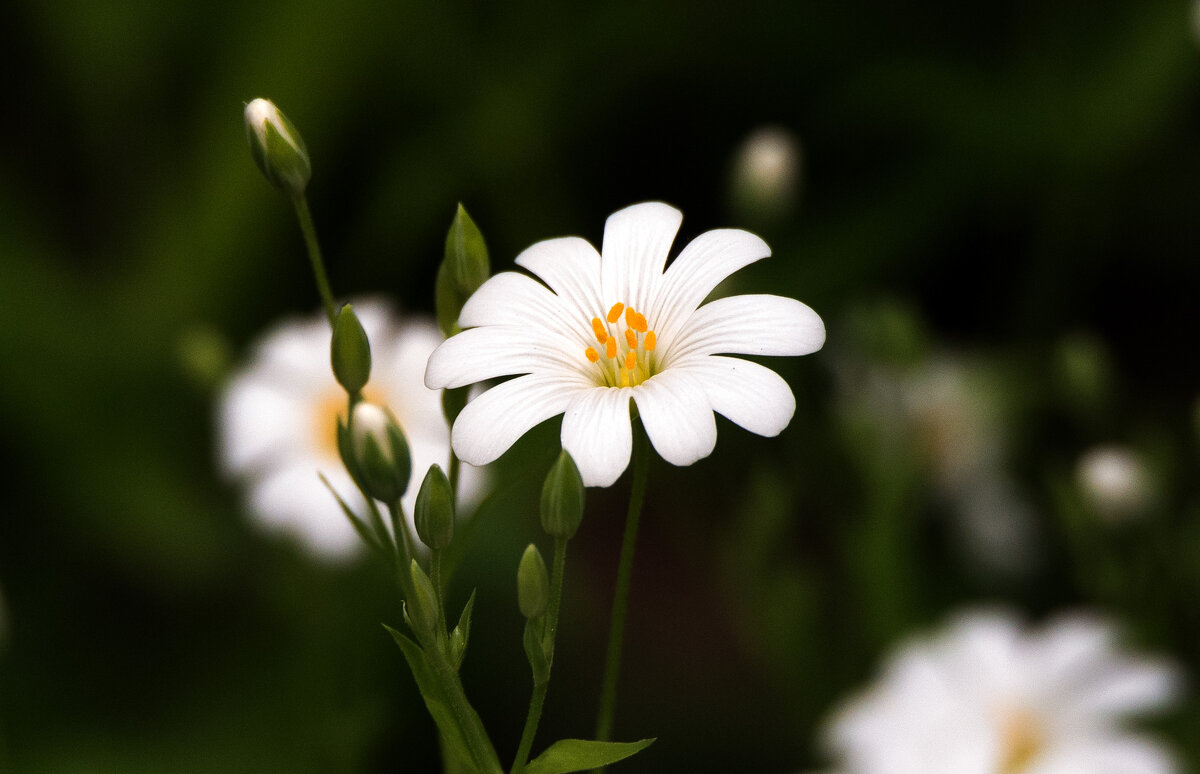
(651, 341)
(631, 361)
(630, 339)
(598, 329)
(614, 314)
(624, 378)
(592, 354)
(610, 348)
(635, 321)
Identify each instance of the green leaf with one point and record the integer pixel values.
(356, 522)
(436, 702)
(431, 692)
(567, 755)
(462, 633)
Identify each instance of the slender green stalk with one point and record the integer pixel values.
(616, 629)
(435, 575)
(314, 254)
(538, 699)
(453, 476)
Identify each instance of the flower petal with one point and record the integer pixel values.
(571, 267)
(477, 354)
(677, 416)
(637, 241)
(259, 421)
(749, 325)
(700, 266)
(292, 499)
(493, 422)
(596, 431)
(747, 394)
(520, 301)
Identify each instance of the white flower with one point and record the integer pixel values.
(616, 328)
(1114, 481)
(988, 696)
(277, 424)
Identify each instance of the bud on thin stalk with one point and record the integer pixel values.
(381, 453)
(562, 498)
(277, 147)
(350, 351)
(435, 510)
(464, 268)
(533, 583)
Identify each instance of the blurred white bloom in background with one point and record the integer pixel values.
(278, 424)
(987, 695)
(766, 173)
(1114, 481)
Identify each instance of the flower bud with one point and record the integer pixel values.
(380, 453)
(562, 498)
(766, 173)
(423, 607)
(277, 147)
(533, 583)
(350, 351)
(435, 510)
(464, 268)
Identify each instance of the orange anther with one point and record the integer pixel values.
(592, 354)
(610, 348)
(651, 341)
(631, 338)
(614, 314)
(598, 329)
(631, 361)
(635, 321)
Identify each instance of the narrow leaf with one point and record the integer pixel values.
(357, 523)
(567, 755)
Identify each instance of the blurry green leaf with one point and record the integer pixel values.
(357, 523)
(567, 755)
(462, 632)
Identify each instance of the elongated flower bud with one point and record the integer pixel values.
(435, 510)
(533, 583)
(464, 268)
(277, 147)
(381, 456)
(562, 498)
(423, 607)
(350, 351)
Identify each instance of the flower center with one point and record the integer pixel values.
(1021, 741)
(625, 343)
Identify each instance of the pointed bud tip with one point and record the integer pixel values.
(350, 351)
(563, 498)
(277, 147)
(533, 583)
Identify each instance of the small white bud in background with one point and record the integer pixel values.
(766, 174)
(1114, 481)
(277, 147)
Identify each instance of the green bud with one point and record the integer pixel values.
(435, 510)
(533, 583)
(562, 498)
(464, 268)
(350, 351)
(277, 147)
(423, 607)
(380, 455)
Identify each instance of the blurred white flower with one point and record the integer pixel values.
(987, 695)
(1114, 481)
(278, 424)
(607, 328)
(766, 172)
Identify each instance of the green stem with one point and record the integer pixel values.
(453, 475)
(435, 575)
(464, 714)
(538, 699)
(314, 254)
(616, 629)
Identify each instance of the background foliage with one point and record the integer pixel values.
(1010, 186)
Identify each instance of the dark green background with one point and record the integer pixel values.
(998, 175)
